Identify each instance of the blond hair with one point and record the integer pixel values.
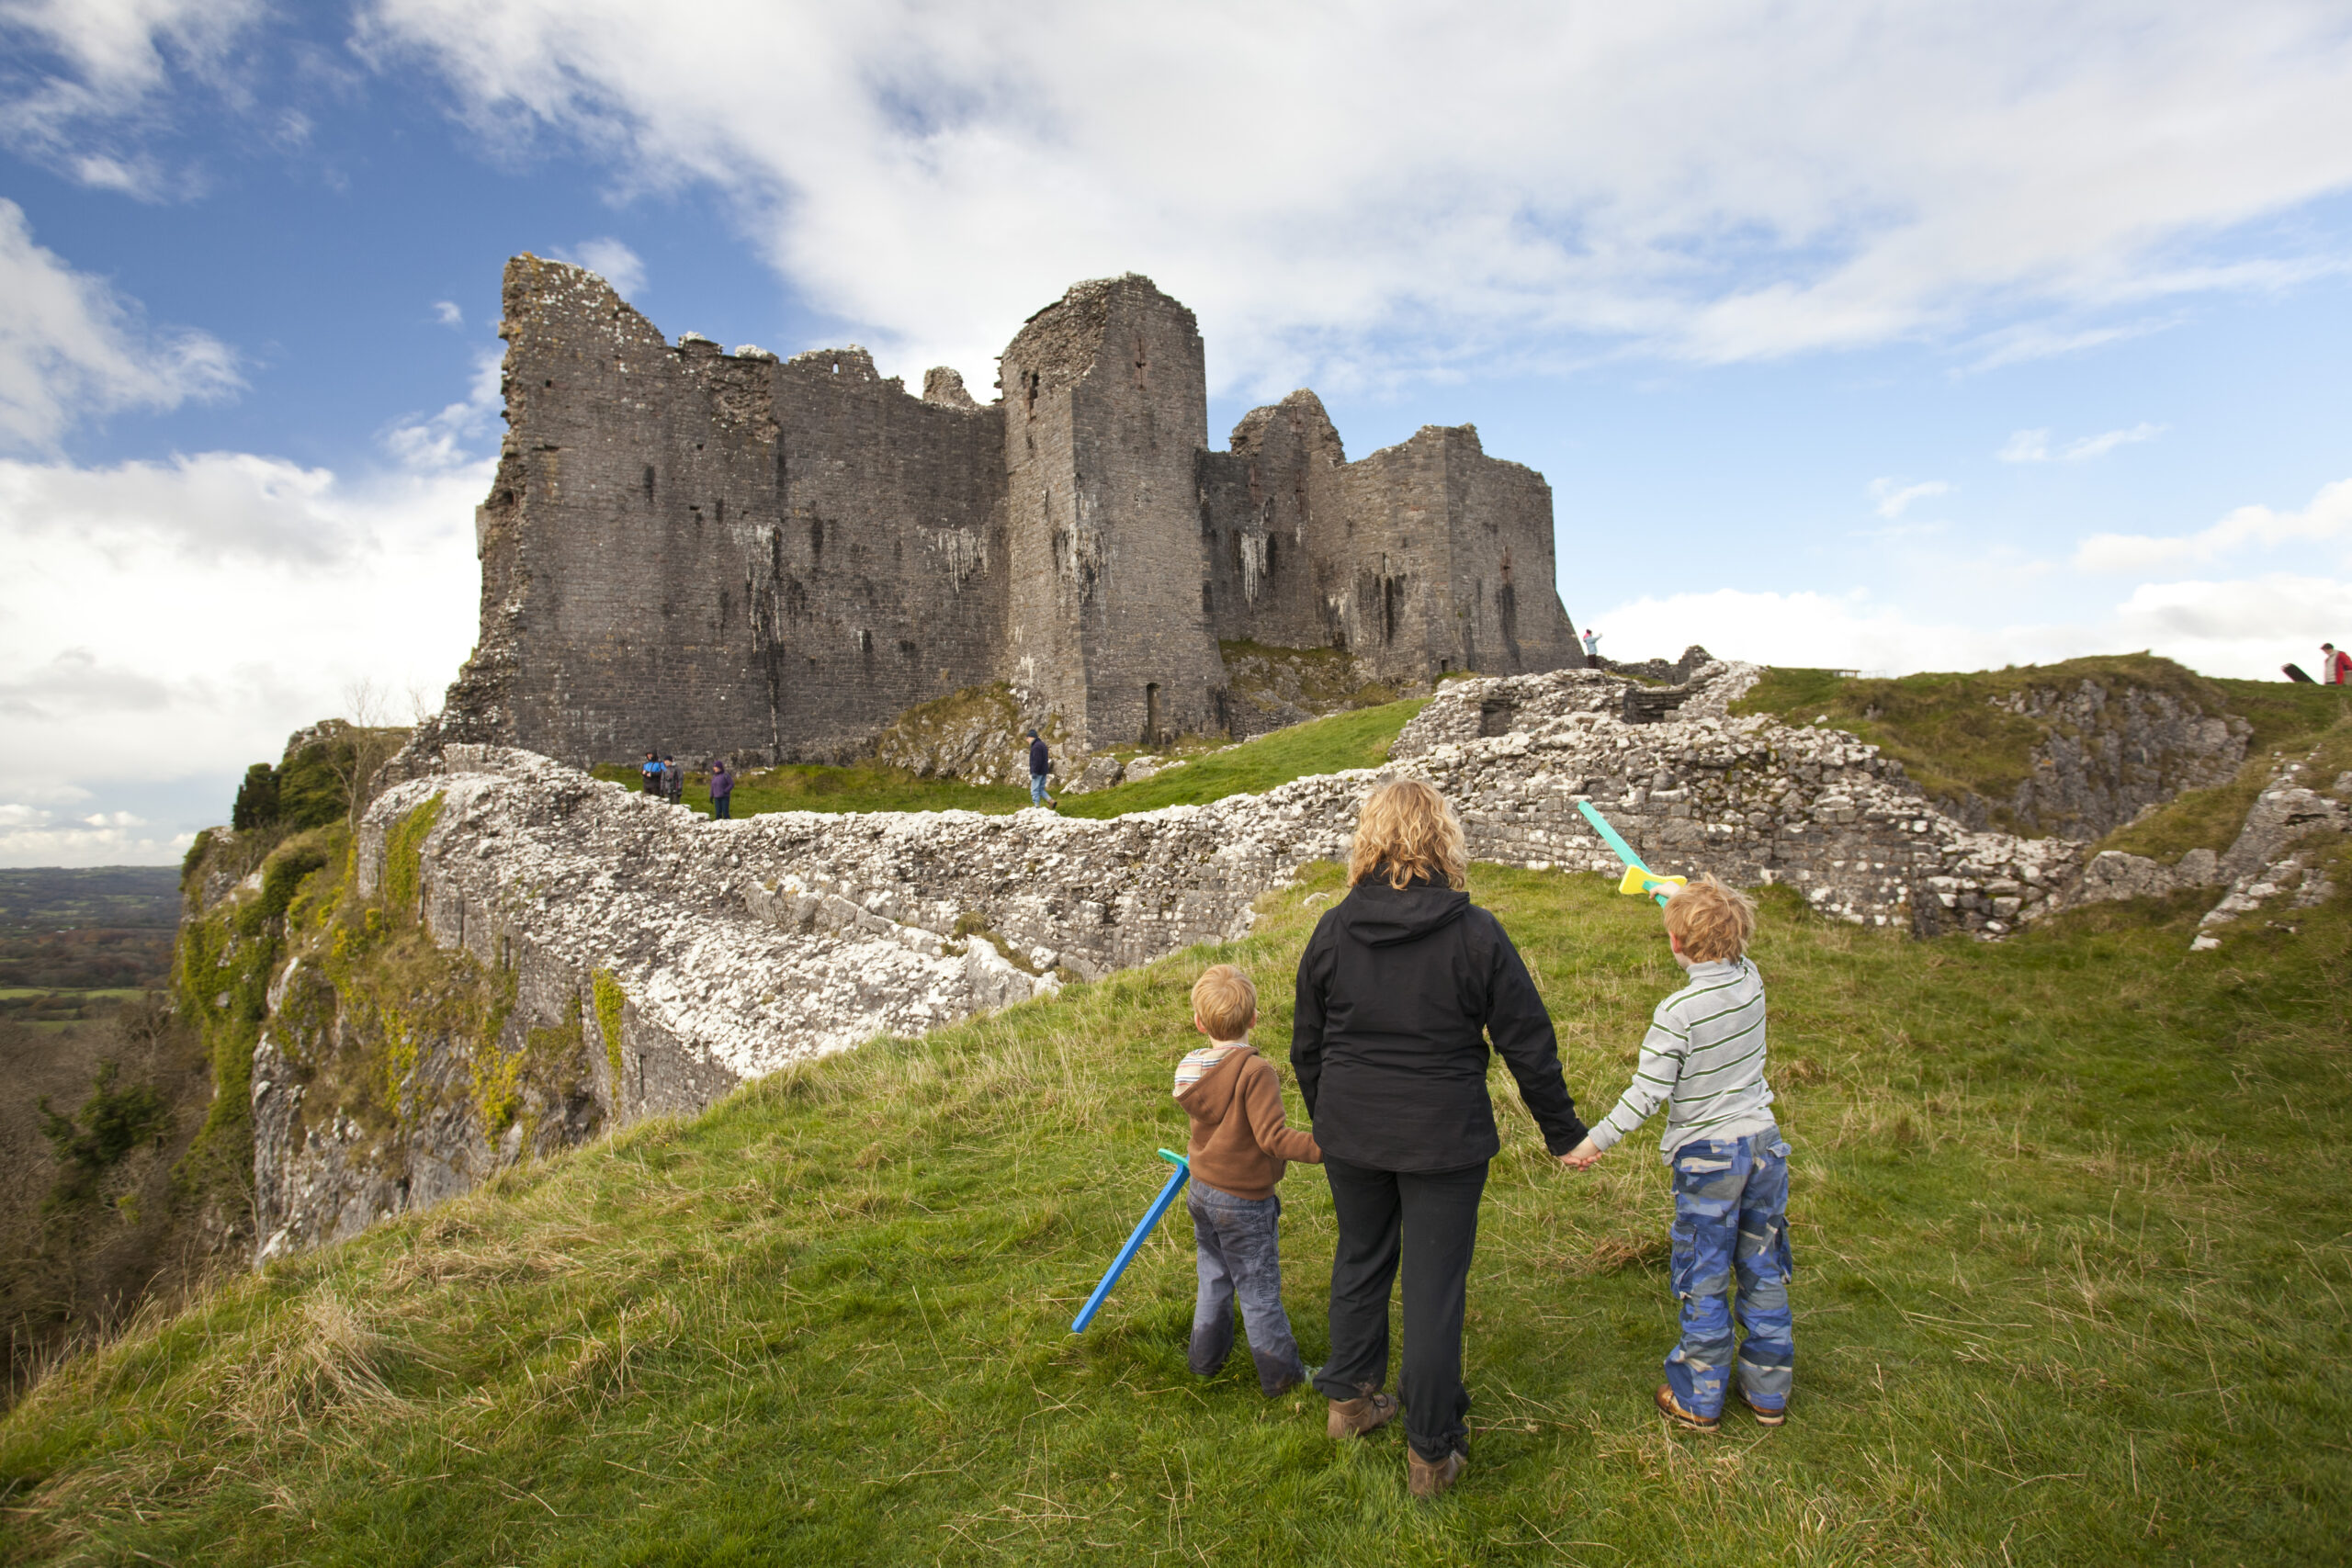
(1408, 830)
(1225, 1002)
(1711, 920)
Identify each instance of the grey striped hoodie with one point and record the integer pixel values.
(1704, 1058)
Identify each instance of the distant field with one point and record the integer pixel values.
(114, 897)
(59, 1009)
(85, 931)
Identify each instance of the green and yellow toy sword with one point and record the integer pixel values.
(1639, 878)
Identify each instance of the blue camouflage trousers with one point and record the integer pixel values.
(1731, 1223)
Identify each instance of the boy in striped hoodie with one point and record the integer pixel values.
(1703, 1059)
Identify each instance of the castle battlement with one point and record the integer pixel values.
(709, 552)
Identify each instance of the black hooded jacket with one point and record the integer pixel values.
(1397, 992)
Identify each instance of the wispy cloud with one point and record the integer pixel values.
(2328, 518)
(70, 348)
(446, 311)
(90, 81)
(2033, 445)
(1894, 497)
(1633, 176)
(615, 262)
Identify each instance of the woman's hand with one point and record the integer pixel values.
(1583, 1156)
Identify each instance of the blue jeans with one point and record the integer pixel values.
(1036, 789)
(1240, 1248)
(1731, 1223)
(720, 803)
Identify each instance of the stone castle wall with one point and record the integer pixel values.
(702, 552)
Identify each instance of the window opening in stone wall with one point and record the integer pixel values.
(1151, 714)
(1495, 716)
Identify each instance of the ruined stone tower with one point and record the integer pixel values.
(705, 552)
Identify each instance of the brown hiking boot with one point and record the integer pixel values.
(1354, 1417)
(1764, 1415)
(1425, 1480)
(1688, 1420)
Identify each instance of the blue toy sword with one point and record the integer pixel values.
(1134, 1243)
(1639, 878)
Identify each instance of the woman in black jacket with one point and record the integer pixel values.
(1399, 990)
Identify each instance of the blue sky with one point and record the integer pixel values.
(1873, 336)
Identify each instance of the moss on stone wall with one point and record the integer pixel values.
(610, 1000)
(221, 974)
(403, 880)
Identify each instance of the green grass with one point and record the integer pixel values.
(2073, 1218)
(811, 787)
(1355, 740)
(1945, 732)
(1360, 739)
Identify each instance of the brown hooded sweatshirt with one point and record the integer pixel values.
(1240, 1143)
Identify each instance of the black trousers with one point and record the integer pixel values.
(1437, 1214)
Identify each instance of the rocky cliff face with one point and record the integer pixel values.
(2108, 754)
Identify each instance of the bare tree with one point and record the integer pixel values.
(361, 751)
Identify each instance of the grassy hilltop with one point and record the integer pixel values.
(2071, 1223)
(2072, 1215)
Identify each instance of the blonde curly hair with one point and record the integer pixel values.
(1408, 830)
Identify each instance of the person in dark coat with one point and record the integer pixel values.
(673, 780)
(1039, 765)
(1399, 990)
(722, 788)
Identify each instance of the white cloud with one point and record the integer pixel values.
(70, 348)
(438, 443)
(29, 836)
(2026, 446)
(1508, 182)
(611, 260)
(2328, 518)
(88, 78)
(2245, 627)
(2033, 445)
(446, 311)
(174, 622)
(1894, 497)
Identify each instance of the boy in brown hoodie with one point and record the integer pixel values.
(1239, 1147)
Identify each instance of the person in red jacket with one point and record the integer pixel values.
(2335, 667)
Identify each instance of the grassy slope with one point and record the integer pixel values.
(1356, 740)
(1944, 730)
(2071, 1218)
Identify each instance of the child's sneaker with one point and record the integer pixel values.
(1688, 1420)
(1765, 1415)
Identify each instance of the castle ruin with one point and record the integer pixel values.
(716, 552)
